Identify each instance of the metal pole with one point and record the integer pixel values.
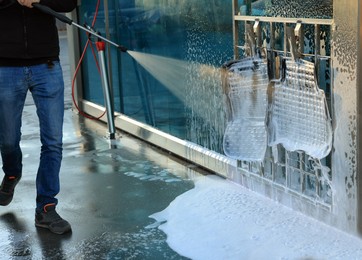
(106, 90)
(109, 56)
(235, 30)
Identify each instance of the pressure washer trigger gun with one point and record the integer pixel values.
(63, 18)
(93, 32)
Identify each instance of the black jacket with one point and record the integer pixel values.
(28, 36)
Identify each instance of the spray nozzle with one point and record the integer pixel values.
(122, 48)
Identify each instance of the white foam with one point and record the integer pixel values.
(222, 220)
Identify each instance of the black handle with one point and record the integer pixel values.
(48, 10)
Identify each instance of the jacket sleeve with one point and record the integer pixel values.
(63, 6)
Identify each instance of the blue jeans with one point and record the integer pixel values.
(47, 88)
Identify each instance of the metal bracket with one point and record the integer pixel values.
(250, 39)
(297, 29)
(292, 42)
(256, 26)
(257, 31)
(253, 37)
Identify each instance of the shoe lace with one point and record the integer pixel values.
(54, 216)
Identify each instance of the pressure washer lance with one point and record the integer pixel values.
(100, 48)
(64, 19)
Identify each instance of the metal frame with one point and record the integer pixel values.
(359, 121)
(283, 19)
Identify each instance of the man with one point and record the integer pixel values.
(29, 61)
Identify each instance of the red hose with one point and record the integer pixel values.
(79, 64)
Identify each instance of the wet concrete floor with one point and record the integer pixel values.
(107, 194)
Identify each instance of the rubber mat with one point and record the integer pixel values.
(245, 137)
(299, 118)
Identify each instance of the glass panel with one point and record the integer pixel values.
(92, 82)
(311, 187)
(180, 93)
(280, 174)
(295, 180)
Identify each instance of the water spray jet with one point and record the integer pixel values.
(180, 77)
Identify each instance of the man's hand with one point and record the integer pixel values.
(28, 3)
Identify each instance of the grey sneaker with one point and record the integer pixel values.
(50, 219)
(7, 189)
